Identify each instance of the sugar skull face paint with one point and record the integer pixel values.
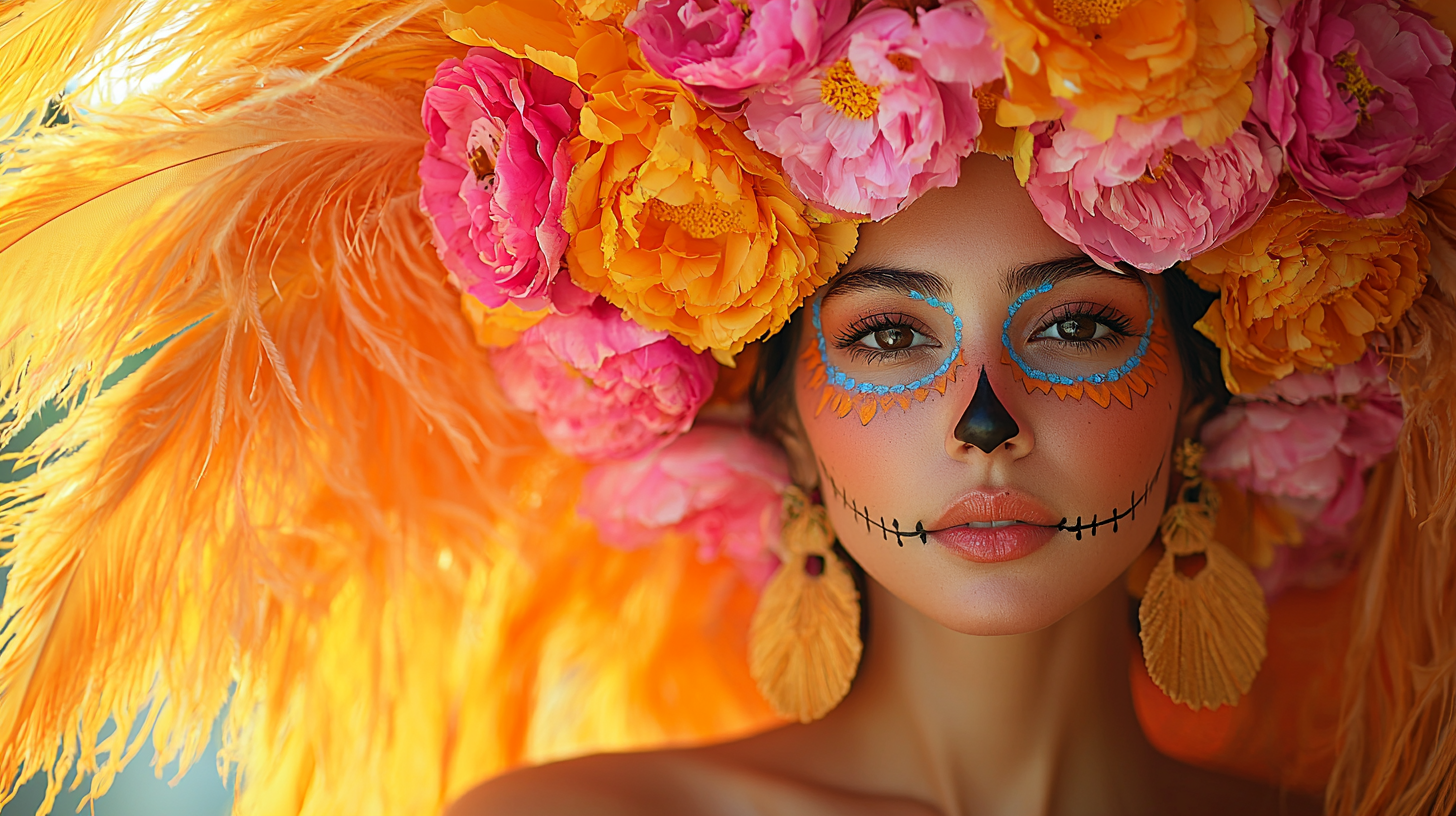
(1093, 337)
(1003, 533)
(865, 397)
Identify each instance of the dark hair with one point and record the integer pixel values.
(772, 394)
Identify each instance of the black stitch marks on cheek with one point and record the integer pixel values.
(871, 522)
(1117, 515)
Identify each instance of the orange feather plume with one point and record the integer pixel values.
(313, 494)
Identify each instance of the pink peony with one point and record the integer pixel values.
(717, 483)
(602, 386)
(493, 179)
(1306, 441)
(722, 50)
(1149, 196)
(1277, 448)
(1362, 96)
(888, 113)
(1309, 438)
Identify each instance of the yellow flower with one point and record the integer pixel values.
(1304, 287)
(501, 326)
(681, 221)
(1143, 59)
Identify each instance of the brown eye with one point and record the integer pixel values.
(894, 339)
(1078, 328)
(886, 334)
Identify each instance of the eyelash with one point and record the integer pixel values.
(848, 339)
(1118, 325)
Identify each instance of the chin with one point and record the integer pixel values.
(1009, 598)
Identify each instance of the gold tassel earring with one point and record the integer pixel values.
(1203, 635)
(803, 644)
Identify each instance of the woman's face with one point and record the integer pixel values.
(1067, 491)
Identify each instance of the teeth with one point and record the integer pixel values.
(989, 525)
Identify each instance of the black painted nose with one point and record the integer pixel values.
(986, 423)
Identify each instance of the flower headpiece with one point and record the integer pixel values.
(695, 170)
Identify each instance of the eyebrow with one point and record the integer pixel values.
(1030, 276)
(897, 279)
(905, 280)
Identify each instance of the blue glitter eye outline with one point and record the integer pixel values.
(1110, 375)
(839, 379)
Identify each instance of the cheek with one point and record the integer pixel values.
(885, 452)
(1107, 464)
(873, 465)
(1107, 442)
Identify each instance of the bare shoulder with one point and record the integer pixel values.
(760, 776)
(606, 784)
(701, 781)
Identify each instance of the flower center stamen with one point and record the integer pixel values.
(988, 96)
(905, 63)
(842, 90)
(1084, 13)
(742, 5)
(480, 163)
(697, 219)
(1356, 84)
(1156, 172)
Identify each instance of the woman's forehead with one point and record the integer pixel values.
(982, 231)
(984, 225)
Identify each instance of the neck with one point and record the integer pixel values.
(1035, 723)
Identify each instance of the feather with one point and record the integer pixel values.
(209, 53)
(314, 493)
(1397, 741)
(218, 251)
(44, 44)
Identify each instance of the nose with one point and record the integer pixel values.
(986, 423)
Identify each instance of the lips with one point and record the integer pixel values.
(988, 526)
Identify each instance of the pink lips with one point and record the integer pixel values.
(1032, 525)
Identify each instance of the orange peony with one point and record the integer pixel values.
(682, 222)
(546, 32)
(1304, 287)
(1143, 59)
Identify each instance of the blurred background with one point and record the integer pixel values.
(137, 791)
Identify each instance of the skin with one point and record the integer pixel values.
(984, 688)
(1073, 457)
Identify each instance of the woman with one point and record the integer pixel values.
(540, 379)
(994, 676)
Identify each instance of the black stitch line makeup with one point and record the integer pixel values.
(893, 528)
(870, 523)
(1117, 515)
